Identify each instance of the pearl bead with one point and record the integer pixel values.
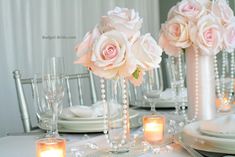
(123, 141)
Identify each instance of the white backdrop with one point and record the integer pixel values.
(30, 29)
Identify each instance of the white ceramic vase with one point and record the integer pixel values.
(206, 85)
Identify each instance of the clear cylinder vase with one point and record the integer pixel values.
(202, 102)
(118, 131)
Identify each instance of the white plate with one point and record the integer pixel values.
(193, 137)
(222, 127)
(92, 125)
(159, 103)
(80, 118)
(220, 135)
(62, 118)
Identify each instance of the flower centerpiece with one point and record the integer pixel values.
(116, 50)
(201, 28)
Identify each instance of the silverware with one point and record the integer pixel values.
(191, 151)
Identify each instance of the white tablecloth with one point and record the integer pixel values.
(24, 146)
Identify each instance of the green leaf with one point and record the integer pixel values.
(136, 73)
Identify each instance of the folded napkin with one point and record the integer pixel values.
(98, 108)
(77, 111)
(95, 110)
(153, 94)
(169, 93)
(222, 125)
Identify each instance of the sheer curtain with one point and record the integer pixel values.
(33, 29)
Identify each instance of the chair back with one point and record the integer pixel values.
(70, 79)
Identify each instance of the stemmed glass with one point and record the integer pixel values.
(42, 108)
(224, 83)
(53, 87)
(175, 66)
(153, 87)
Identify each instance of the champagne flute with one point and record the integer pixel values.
(175, 66)
(42, 108)
(53, 87)
(153, 87)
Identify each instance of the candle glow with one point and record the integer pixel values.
(51, 147)
(226, 106)
(153, 128)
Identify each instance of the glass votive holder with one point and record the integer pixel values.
(51, 147)
(153, 126)
(223, 106)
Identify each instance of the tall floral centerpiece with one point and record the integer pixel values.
(201, 29)
(116, 50)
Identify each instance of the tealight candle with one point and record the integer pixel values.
(50, 147)
(153, 128)
(225, 108)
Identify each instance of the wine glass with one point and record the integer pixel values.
(175, 66)
(153, 86)
(42, 108)
(53, 87)
(224, 83)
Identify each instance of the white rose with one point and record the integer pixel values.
(191, 9)
(147, 52)
(206, 34)
(229, 37)
(121, 19)
(111, 56)
(221, 9)
(174, 35)
(83, 49)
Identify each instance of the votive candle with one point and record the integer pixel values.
(226, 107)
(153, 128)
(51, 147)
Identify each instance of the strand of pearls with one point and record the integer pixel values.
(174, 84)
(220, 89)
(179, 84)
(196, 53)
(181, 80)
(125, 114)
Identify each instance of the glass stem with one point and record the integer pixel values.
(177, 106)
(54, 128)
(153, 109)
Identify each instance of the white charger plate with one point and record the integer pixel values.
(220, 135)
(85, 119)
(222, 127)
(194, 138)
(158, 102)
(95, 125)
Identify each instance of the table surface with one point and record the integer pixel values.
(24, 145)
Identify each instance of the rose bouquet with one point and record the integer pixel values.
(201, 28)
(115, 48)
(209, 25)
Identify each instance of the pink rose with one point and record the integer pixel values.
(147, 52)
(83, 49)
(229, 37)
(191, 9)
(121, 19)
(206, 34)
(221, 9)
(111, 56)
(174, 35)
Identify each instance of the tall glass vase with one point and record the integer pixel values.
(200, 85)
(117, 125)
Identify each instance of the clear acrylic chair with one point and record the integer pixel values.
(24, 96)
